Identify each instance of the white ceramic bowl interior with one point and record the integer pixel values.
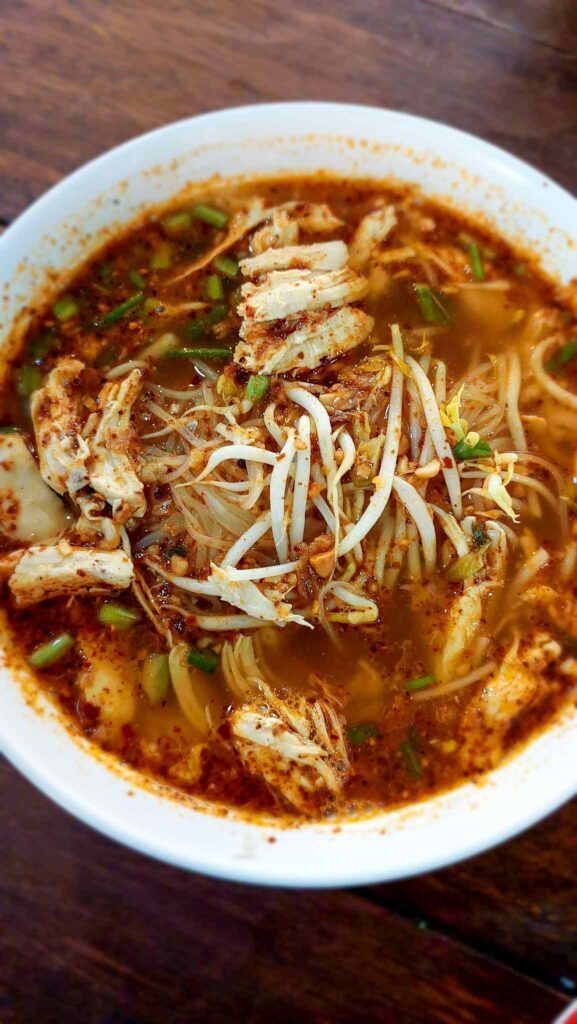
(62, 228)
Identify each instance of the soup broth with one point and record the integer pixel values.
(287, 484)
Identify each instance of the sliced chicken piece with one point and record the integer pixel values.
(281, 230)
(320, 256)
(230, 585)
(46, 571)
(305, 341)
(313, 218)
(29, 510)
(373, 230)
(513, 689)
(283, 293)
(56, 410)
(451, 628)
(114, 460)
(107, 683)
(297, 748)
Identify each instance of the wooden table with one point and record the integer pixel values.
(90, 931)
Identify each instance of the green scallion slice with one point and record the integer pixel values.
(420, 683)
(28, 380)
(156, 678)
(161, 258)
(216, 314)
(434, 306)
(213, 288)
(119, 311)
(206, 660)
(256, 388)
(105, 271)
(411, 757)
(49, 653)
(118, 615)
(9, 428)
(65, 308)
(463, 451)
(136, 278)
(201, 352)
(476, 262)
(563, 356)
(210, 215)
(467, 565)
(41, 345)
(361, 733)
(176, 223)
(226, 265)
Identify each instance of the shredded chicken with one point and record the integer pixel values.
(114, 461)
(46, 571)
(308, 339)
(373, 230)
(296, 747)
(517, 685)
(29, 510)
(298, 311)
(56, 411)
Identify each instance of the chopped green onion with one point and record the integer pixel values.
(156, 678)
(463, 451)
(433, 306)
(118, 615)
(106, 356)
(480, 536)
(29, 379)
(177, 549)
(176, 223)
(49, 653)
(476, 262)
(206, 660)
(137, 279)
(196, 328)
(226, 265)
(152, 305)
(563, 356)
(161, 258)
(256, 387)
(202, 352)
(361, 733)
(216, 314)
(9, 428)
(65, 308)
(419, 683)
(213, 288)
(41, 345)
(105, 271)
(210, 215)
(467, 565)
(119, 311)
(411, 757)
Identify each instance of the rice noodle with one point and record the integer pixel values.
(247, 540)
(446, 689)
(438, 436)
(545, 379)
(419, 513)
(277, 490)
(512, 402)
(301, 483)
(379, 499)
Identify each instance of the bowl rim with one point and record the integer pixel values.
(318, 873)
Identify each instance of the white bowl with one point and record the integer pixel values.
(62, 228)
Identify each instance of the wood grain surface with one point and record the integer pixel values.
(91, 932)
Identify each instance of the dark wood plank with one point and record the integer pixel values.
(79, 78)
(97, 934)
(518, 902)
